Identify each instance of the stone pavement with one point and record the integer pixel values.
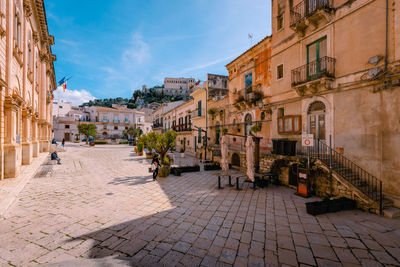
(102, 207)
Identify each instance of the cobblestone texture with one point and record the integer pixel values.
(102, 203)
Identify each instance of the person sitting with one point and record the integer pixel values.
(54, 142)
(54, 156)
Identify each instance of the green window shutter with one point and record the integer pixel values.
(199, 137)
(199, 108)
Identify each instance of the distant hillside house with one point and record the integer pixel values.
(177, 86)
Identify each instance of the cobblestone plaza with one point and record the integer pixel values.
(101, 205)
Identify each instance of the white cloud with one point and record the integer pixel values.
(77, 97)
(138, 51)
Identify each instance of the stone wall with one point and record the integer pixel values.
(320, 184)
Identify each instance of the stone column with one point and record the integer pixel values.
(34, 134)
(27, 152)
(2, 133)
(12, 148)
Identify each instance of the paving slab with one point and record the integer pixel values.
(101, 206)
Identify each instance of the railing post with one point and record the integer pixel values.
(330, 164)
(318, 148)
(380, 198)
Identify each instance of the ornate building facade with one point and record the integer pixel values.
(27, 82)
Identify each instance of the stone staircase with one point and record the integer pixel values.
(356, 177)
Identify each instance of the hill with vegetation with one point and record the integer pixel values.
(138, 96)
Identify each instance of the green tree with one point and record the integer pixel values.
(87, 130)
(164, 142)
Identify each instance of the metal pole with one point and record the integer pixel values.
(330, 164)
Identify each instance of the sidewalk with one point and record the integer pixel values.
(11, 187)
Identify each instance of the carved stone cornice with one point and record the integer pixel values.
(27, 111)
(314, 87)
(35, 37)
(27, 8)
(10, 102)
(51, 40)
(43, 55)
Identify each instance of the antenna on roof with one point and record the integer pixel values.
(250, 36)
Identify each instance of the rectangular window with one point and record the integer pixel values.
(199, 108)
(104, 118)
(105, 127)
(126, 119)
(248, 82)
(279, 72)
(290, 124)
(66, 126)
(279, 22)
(281, 112)
(115, 127)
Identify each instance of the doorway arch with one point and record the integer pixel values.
(316, 120)
(235, 160)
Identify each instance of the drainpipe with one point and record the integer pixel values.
(387, 37)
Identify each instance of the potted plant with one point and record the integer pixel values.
(77, 138)
(212, 112)
(225, 130)
(182, 151)
(163, 143)
(140, 148)
(256, 128)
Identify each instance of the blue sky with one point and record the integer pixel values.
(112, 47)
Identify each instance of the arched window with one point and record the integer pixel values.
(30, 58)
(17, 28)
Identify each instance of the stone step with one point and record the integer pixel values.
(391, 212)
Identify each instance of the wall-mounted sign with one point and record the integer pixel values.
(307, 140)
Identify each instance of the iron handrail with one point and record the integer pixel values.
(347, 169)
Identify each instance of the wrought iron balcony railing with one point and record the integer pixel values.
(182, 127)
(306, 8)
(157, 125)
(322, 67)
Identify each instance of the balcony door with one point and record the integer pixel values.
(316, 51)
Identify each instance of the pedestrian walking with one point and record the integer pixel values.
(63, 142)
(156, 163)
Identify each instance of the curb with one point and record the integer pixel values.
(11, 187)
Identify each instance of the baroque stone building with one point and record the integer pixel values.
(27, 82)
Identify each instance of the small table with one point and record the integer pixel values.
(268, 175)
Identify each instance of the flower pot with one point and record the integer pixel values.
(348, 204)
(317, 207)
(335, 205)
(164, 171)
(140, 153)
(182, 155)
